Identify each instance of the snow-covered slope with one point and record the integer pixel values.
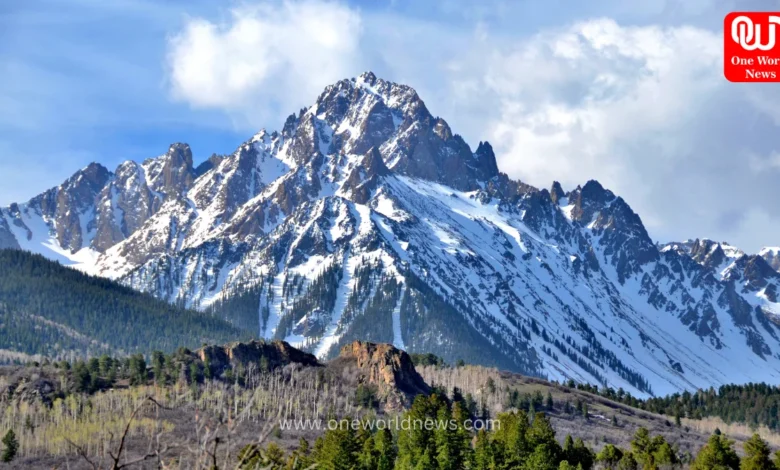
(365, 217)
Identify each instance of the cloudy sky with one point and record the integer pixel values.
(629, 93)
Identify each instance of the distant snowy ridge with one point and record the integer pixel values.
(366, 217)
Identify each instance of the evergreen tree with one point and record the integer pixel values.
(512, 446)
(664, 455)
(10, 446)
(568, 448)
(82, 378)
(274, 457)
(105, 365)
(337, 449)
(445, 447)
(416, 446)
(137, 369)
(627, 462)
(543, 457)
(365, 396)
(581, 456)
(158, 367)
(300, 459)
(642, 448)
(460, 438)
(610, 456)
(490, 385)
(94, 366)
(549, 402)
(367, 458)
(546, 452)
(483, 458)
(195, 375)
(756, 455)
(718, 454)
(385, 450)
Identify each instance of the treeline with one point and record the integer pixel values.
(52, 310)
(514, 440)
(180, 367)
(753, 404)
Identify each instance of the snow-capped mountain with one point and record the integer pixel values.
(366, 217)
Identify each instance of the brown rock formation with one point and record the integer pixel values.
(276, 353)
(388, 369)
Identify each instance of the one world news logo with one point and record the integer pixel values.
(751, 47)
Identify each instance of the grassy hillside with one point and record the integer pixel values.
(50, 310)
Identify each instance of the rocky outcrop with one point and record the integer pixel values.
(772, 256)
(7, 239)
(556, 192)
(264, 355)
(171, 174)
(388, 369)
(29, 385)
(364, 179)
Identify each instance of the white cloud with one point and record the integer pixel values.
(579, 102)
(266, 54)
(643, 109)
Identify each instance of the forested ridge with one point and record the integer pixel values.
(753, 404)
(52, 310)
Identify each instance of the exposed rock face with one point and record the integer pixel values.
(369, 112)
(387, 368)
(70, 207)
(261, 354)
(7, 239)
(619, 229)
(30, 385)
(172, 173)
(125, 204)
(556, 193)
(365, 177)
(772, 257)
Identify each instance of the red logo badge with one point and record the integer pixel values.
(751, 47)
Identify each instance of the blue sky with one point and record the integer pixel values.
(629, 93)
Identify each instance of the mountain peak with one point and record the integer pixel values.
(171, 173)
(772, 256)
(557, 192)
(355, 115)
(367, 78)
(594, 191)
